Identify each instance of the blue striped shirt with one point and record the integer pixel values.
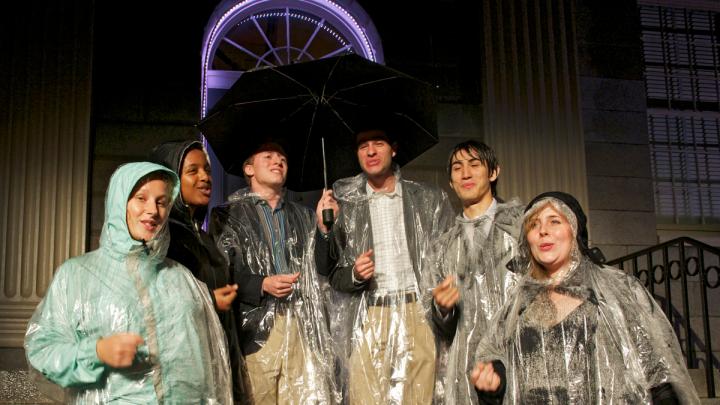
(273, 224)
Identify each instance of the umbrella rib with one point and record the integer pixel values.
(309, 90)
(241, 103)
(267, 41)
(372, 82)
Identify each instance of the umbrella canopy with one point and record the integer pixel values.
(333, 98)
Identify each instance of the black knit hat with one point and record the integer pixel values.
(593, 254)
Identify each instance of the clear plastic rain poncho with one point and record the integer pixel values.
(285, 341)
(382, 326)
(127, 287)
(475, 252)
(590, 334)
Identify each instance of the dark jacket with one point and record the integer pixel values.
(240, 234)
(194, 249)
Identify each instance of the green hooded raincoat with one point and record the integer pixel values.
(126, 287)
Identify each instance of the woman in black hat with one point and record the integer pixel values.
(575, 331)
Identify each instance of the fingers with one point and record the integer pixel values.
(446, 284)
(280, 285)
(447, 298)
(449, 281)
(135, 339)
(475, 373)
(446, 294)
(118, 350)
(327, 201)
(364, 265)
(228, 289)
(485, 378)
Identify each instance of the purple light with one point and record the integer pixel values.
(246, 8)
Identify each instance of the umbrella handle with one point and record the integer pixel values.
(328, 218)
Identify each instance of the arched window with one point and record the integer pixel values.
(243, 35)
(251, 34)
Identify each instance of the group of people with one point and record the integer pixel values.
(398, 301)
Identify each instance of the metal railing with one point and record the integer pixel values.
(689, 268)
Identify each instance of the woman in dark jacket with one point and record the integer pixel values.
(194, 248)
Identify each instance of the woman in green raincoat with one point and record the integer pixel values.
(123, 322)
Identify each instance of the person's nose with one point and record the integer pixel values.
(465, 172)
(542, 229)
(203, 175)
(151, 208)
(371, 151)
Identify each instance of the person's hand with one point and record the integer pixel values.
(326, 201)
(280, 285)
(485, 378)
(364, 266)
(446, 294)
(224, 296)
(118, 350)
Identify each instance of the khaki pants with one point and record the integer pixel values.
(395, 362)
(283, 372)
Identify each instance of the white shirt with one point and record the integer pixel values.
(393, 266)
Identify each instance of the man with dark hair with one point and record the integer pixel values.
(271, 245)
(471, 259)
(384, 232)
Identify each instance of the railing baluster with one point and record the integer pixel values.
(651, 272)
(687, 249)
(689, 354)
(668, 279)
(706, 325)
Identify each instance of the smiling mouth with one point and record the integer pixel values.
(149, 225)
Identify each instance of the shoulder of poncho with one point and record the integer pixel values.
(91, 258)
(349, 187)
(173, 266)
(508, 217)
(424, 193)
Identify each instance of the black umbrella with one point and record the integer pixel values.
(331, 100)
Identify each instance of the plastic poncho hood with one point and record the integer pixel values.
(172, 155)
(126, 286)
(115, 236)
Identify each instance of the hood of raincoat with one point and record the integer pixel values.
(115, 237)
(171, 155)
(573, 211)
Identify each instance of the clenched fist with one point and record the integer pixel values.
(280, 286)
(118, 350)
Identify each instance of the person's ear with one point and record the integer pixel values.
(249, 170)
(495, 174)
